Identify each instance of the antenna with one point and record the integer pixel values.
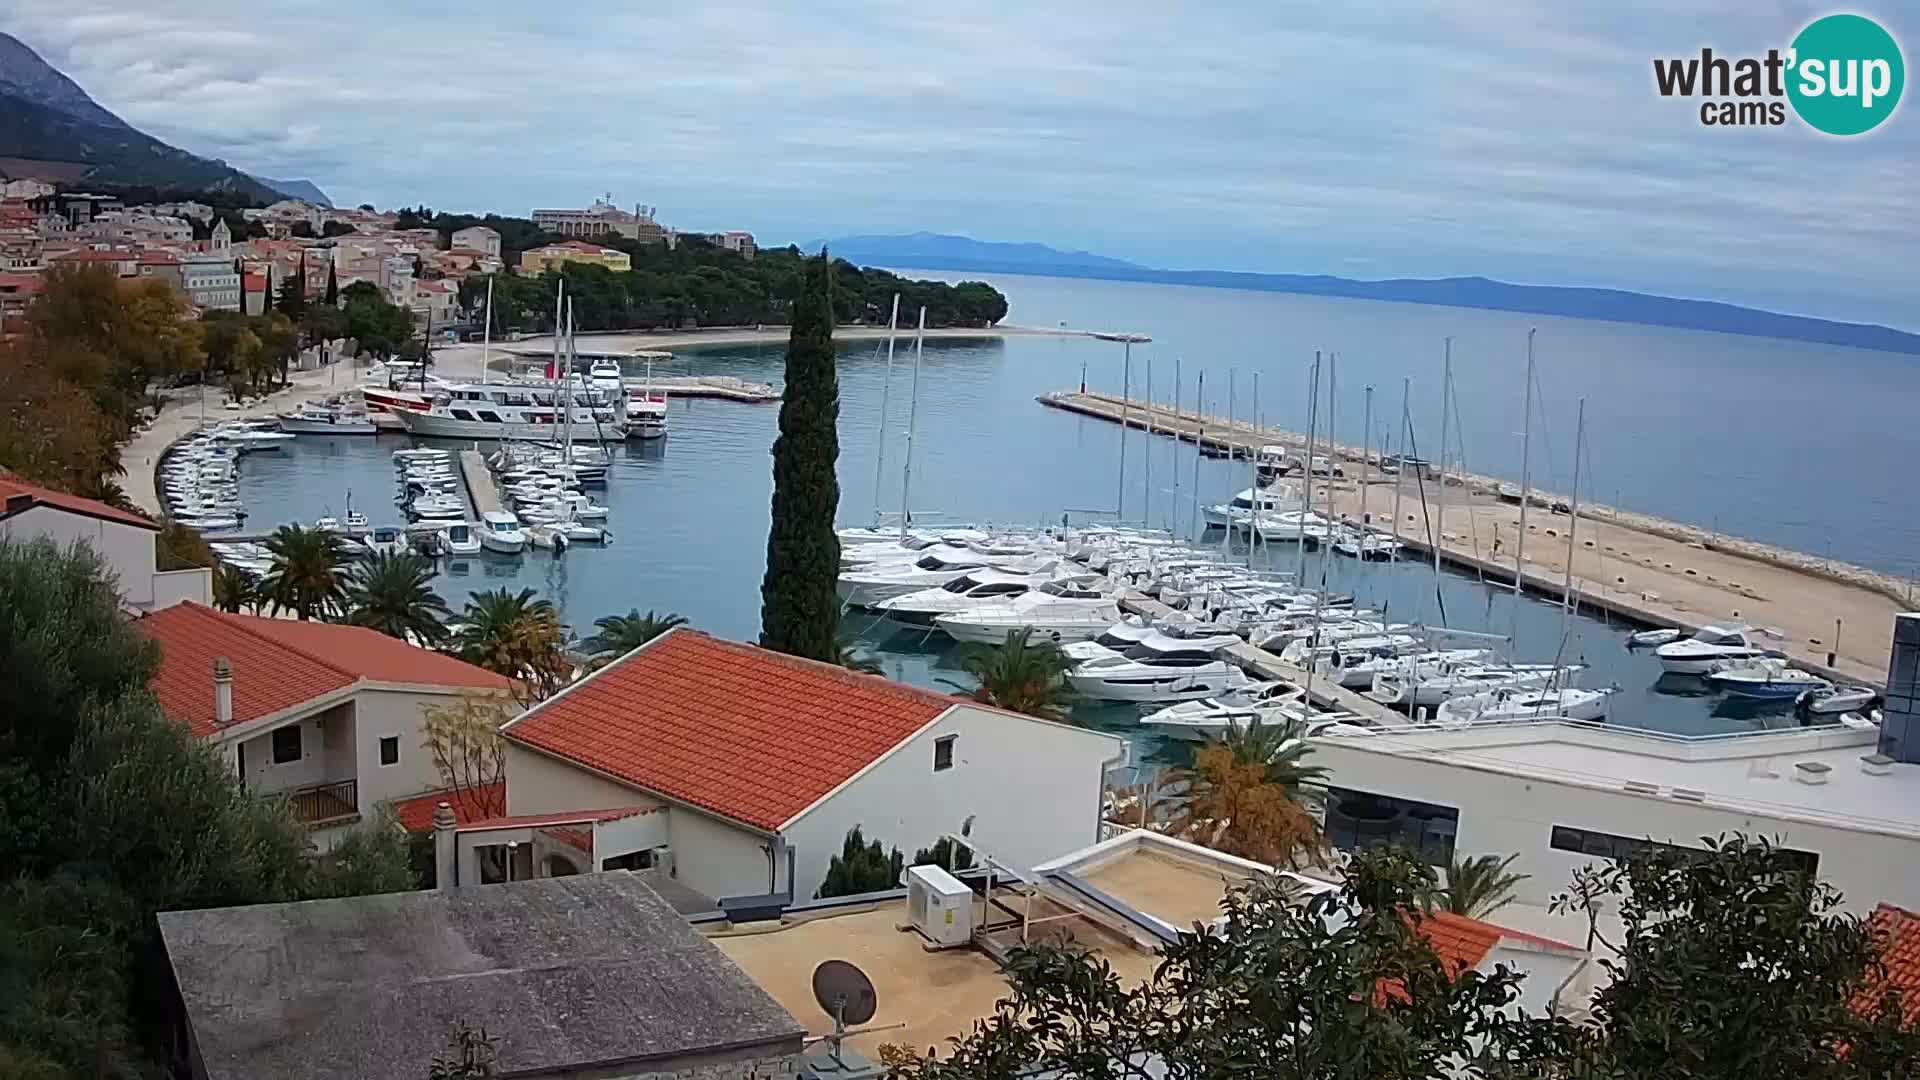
(845, 993)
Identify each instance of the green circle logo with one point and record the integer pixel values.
(1846, 74)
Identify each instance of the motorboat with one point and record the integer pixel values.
(546, 537)
(1161, 667)
(1709, 649)
(1251, 502)
(647, 414)
(1270, 462)
(387, 540)
(606, 376)
(1365, 546)
(438, 506)
(462, 539)
(1062, 611)
(580, 532)
(326, 419)
(1114, 640)
(1340, 655)
(1648, 639)
(1356, 670)
(501, 532)
(970, 590)
(1426, 688)
(1563, 703)
(1766, 679)
(1835, 700)
(1208, 718)
(868, 586)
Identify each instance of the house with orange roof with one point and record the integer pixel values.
(329, 716)
(125, 541)
(751, 766)
(553, 256)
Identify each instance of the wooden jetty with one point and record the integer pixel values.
(1829, 617)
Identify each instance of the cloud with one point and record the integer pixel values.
(1520, 140)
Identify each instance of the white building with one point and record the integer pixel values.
(741, 771)
(138, 227)
(124, 541)
(328, 715)
(1561, 795)
(601, 218)
(477, 238)
(25, 189)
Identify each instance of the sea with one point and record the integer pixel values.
(1789, 443)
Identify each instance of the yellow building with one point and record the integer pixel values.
(541, 259)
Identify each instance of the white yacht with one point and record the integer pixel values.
(1356, 670)
(501, 532)
(1112, 641)
(386, 540)
(647, 414)
(1561, 703)
(1161, 667)
(326, 418)
(1207, 718)
(462, 539)
(867, 586)
(1365, 546)
(1426, 688)
(970, 590)
(1335, 659)
(514, 411)
(1061, 611)
(438, 507)
(1766, 680)
(1252, 502)
(1710, 648)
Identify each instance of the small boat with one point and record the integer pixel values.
(1861, 722)
(1766, 679)
(1648, 639)
(387, 540)
(355, 523)
(1834, 699)
(461, 539)
(546, 537)
(1365, 546)
(438, 506)
(501, 532)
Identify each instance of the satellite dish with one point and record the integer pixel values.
(845, 992)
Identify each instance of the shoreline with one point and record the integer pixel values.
(769, 334)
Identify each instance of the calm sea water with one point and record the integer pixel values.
(1788, 443)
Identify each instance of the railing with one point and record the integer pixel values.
(324, 802)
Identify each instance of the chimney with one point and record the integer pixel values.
(222, 692)
(1900, 716)
(445, 855)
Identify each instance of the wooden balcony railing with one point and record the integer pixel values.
(325, 802)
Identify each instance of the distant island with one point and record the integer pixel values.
(935, 251)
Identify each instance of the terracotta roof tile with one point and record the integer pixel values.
(1461, 943)
(11, 486)
(749, 734)
(574, 817)
(415, 814)
(280, 663)
(1900, 944)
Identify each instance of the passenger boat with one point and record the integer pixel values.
(514, 411)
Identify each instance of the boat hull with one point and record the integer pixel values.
(1706, 664)
(328, 427)
(1157, 686)
(435, 426)
(1058, 633)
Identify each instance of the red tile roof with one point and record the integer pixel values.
(280, 663)
(1899, 931)
(1462, 943)
(575, 817)
(751, 735)
(11, 486)
(416, 814)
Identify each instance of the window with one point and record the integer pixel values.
(1608, 846)
(286, 744)
(632, 860)
(1361, 819)
(943, 752)
(390, 750)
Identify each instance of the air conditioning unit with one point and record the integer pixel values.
(939, 907)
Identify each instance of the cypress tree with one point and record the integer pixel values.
(799, 611)
(333, 285)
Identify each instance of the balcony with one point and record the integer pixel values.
(325, 804)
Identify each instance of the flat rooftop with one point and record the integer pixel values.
(1750, 772)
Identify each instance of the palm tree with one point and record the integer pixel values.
(1022, 675)
(517, 635)
(235, 590)
(1246, 793)
(1282, 748)
(306, 577)
(1477, 887)
(618, 635)
(394, 595)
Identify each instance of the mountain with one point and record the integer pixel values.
(50, 128)
(965, 253)
(305, 190)
(923, 251)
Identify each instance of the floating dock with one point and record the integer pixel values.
(1829, 617)
(480, 487)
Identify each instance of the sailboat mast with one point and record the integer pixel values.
(1306, 473)
(1440, 496)
(566, 415)
(1526, 478)
(913, 414)
(1366, 463)
(1146, 456)
(1199, 440)
(1173, 502)
(1126, 394)
(880, 452)
(1226, 542)
(486, 336)
(1567, 602)
(1333, 448)
(1253, 472)
(1400, 471)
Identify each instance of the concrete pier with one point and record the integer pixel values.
(1644, 570)
(480, 487)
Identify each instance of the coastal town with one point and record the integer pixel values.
(452, 644)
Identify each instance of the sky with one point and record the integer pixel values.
(1520, 139)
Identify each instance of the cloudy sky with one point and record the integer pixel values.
(1519, 139)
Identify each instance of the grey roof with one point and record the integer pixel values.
(570, 972)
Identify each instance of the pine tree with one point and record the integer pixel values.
(293, 292)
(333, 286)
(799, 611)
